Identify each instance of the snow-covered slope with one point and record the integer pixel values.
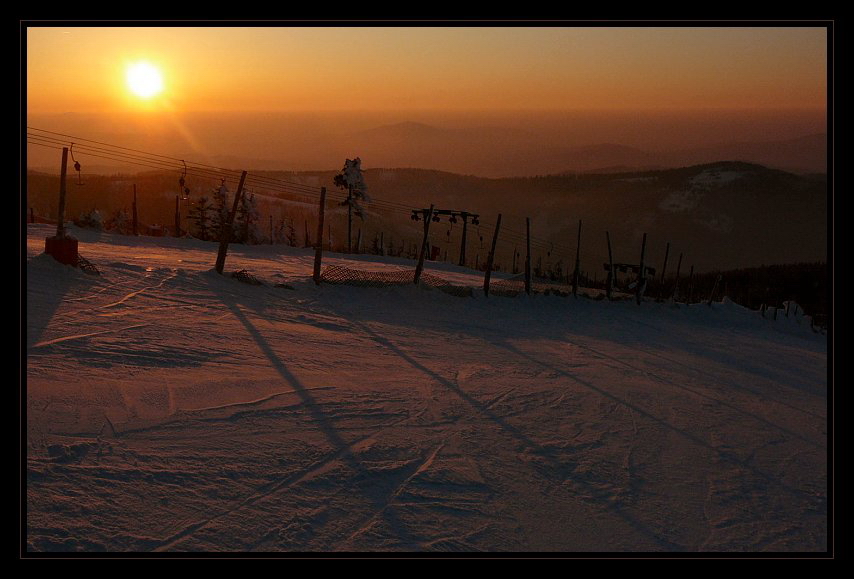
(169, 408)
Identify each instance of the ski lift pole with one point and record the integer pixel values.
(62, 247)
(60, 219)
(177, 217)
(225, 234)
(427, 219)
(465, 217)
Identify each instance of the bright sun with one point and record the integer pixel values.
(144, 80)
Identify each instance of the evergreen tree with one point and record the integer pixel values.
(220, 209)
(202, 215)
(247, 220)
(119, 221)
(292, 233)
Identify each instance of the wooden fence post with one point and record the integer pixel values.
(642, 273)
(418, 268)
(663, 269)
(714, 289)
(609, 283)
(528, 258)
(691, 285)
(135, 214)
(575, 273)
(225, 234)
(675, 295)
(490, 260)
(350, 219)
(318, 250)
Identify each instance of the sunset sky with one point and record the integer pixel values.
(409, 68)
(284, 97)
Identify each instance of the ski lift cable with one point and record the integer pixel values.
(507, 235)
(158, 161)
(136, 154)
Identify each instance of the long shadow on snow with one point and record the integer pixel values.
(532, 325)
(728, 457)
(43, 303)
(380, 499)
(696, 392)
(518, 435)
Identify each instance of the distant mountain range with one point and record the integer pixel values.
(501, 152)
(259, 142)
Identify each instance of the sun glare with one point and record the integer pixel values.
(144, 80)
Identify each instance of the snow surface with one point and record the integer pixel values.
(169, 408)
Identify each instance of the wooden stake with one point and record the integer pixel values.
(135, 216)
(664, 267)
(691, 285)
(491, 259)
(350, 220)
(427, 219)
(225, 234)
(642, 273)
(318, 250)
(714, 288)
(528, 258)
(675, 294)
(577, 262)
(609, 283)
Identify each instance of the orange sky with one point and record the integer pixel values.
(398, 69)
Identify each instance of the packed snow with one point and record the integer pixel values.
(170, 408)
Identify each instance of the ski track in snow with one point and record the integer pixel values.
(173, 409)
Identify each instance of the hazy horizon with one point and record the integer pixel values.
(507, 143)
(511, 100)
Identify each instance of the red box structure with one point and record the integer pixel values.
(63, 249)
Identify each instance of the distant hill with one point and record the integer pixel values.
(806, 154)
(503, 152)
(722, 215)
